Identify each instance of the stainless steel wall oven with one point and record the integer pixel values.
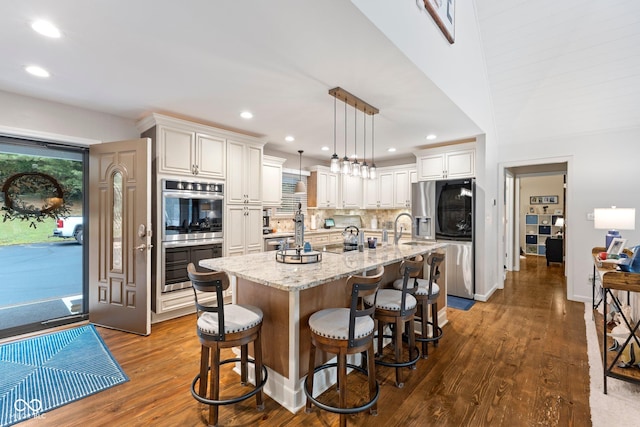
(192, 228)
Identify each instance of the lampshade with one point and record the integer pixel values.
(614, 218)
(301, 188)
(559, 222)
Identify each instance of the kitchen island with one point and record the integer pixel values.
(288, 294)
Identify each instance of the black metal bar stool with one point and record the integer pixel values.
(344, 331)
(397, 309)
(427, 292)
(219, 327)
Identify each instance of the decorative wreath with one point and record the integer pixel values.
(15, 207)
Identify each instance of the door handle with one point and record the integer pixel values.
(141, 247)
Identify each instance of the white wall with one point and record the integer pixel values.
(602, 171)
(22, 115)
(458, 70)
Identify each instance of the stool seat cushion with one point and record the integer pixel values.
(390, 299)
(423, 286)
(334, 323)
(237, 318)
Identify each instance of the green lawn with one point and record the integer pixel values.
(18, 232)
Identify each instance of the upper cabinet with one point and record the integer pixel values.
(322, 188)
(351, 195)
(450, 162)
(392, 188)
(184, 148)
(272, 180)
(244, 166)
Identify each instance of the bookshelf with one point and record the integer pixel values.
(537, 228)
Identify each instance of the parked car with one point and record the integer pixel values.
(69, 227)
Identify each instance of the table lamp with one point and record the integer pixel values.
(560, 223)
(614, 219)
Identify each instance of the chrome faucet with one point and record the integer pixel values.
(397, 236)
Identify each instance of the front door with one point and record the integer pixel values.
(120, 235)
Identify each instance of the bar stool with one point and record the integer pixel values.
(224, 326)
(397, 308)
(426, 294)
(345, 331)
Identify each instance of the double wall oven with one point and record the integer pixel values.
(192, 228)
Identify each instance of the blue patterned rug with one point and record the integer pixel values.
(459, 303)
(45, 372)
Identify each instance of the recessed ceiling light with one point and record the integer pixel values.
(289, 138)
(37, 71)
(325, 148)
(246, 115)
(391, 150)
(431, 136)
(46, 28)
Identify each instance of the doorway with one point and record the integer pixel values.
(42, 276)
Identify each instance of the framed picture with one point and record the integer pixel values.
(442, 12)
(616, 246)
(543, 200)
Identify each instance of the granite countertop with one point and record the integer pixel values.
(262, 267)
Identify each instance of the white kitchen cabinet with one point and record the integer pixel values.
(322, 188)
(244, 171)
(402, 187)
(379, 193)
(351, 195)
(184, 150)
(243, 230)
(446, 165)
(272, 181)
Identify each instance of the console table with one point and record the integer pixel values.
(613, 280)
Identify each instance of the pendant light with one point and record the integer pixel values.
(346, 164)
(364, 169)
(372, 170)
(301, 188)
(335, 160)
(355, 166)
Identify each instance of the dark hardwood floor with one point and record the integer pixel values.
(518, 360)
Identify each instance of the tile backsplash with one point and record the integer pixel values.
(385, 218)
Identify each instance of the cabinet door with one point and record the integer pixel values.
(210, 156)
(254, 242)
(385, 189)
(402, 189)
(332, 190)
(460, 164)
(271, 184)
(253, 174)
(351, 191)
(371, 193)
(235, 191)
(235, 230)
(175, 151)
(431, 167)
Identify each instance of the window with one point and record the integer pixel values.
(289, 199)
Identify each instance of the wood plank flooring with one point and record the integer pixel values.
(518, 360)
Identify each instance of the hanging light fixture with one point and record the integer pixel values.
(372, 170)
(335, 160)
(364, 169)
(301, 188)
(346, 164)
(355, 166)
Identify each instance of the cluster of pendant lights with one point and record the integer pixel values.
(345, 165)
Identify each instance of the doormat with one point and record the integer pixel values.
(459, 303)
(45, 372)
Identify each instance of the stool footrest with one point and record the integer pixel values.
(399, 364)
(334, 409)
(436, 336)
(245, 396)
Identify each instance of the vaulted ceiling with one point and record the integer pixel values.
(554, 68)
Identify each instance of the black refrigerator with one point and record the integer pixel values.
(454, 223)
